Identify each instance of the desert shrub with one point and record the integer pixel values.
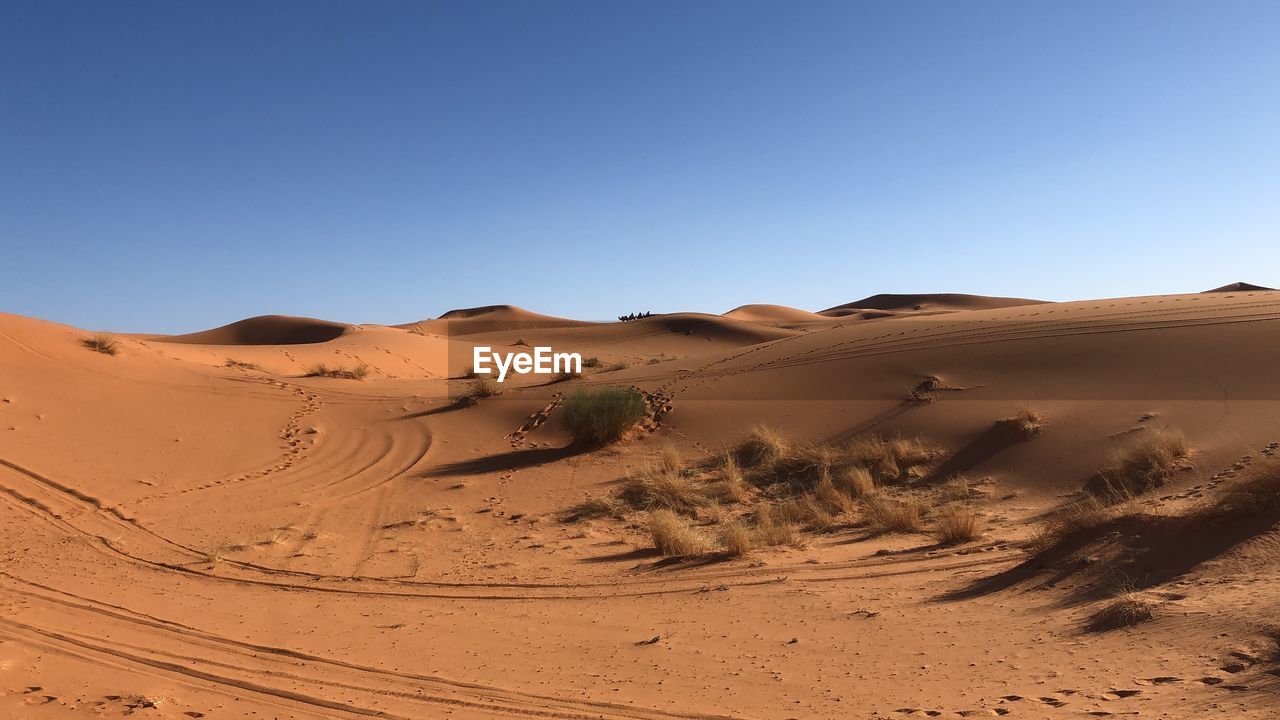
(736, 539)
(486, 387)
(357, 373)
(762, 446)
(604, 415)
(231, 363)
(731, 487)
(567, 375)
(591, 362)
(1143, 467)
(672, 534)
(659, 488)
(616, 367)
(957, 523)
(103, 343)
(1128, 609)
(885, 514)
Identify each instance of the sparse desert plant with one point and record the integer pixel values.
(672, 535)
(616, 367)
(1143, 467)
(1026, 423)
(104, 343)
(567, 375)
(591, 362)
(1130, 608)
(242, 365)
(486, 387)
(469, 374)
(1258, 493)
(835, 500)
(762, 446)
(854, 481)
(670, 459)
(521, 343)
(659, 488)
(955, 524)
(886, 514)
(731, 487)
(771, 529)
(801, 467)
(604, 415)
(1076, 518)
(736, 539)
(608, 506)
(357, 373)
(956, 489)
(888, 460)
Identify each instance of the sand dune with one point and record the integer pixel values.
(1239, 287)
(194, 527)
(925, 302)
(264, 330)
(773, 314)
(489, 318)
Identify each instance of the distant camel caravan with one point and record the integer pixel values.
(633, 316)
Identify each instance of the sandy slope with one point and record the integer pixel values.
(183, 538)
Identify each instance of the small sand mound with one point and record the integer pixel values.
(926, 302)
(264, 330)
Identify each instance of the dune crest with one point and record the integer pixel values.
(765, 313)
(264, 330)
(926, 302)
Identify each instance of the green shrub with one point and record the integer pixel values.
(602, 416)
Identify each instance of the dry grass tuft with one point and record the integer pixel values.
(1143, 467)
(242, 365)
(1130, 608)
(1075, 519)
(763, 446)
(616, 367)
(486, 387)
(659, 488)
(672, 535)
(732, 485)
(103, 343)
(591, 362)
(885, 514)
(670, 459)
(1254, 495)
(601, 507)
(1026, 423)
(357, 373)
(889, 460)
(955, 524)
(736, 539)
(773, 529)
(855, 481)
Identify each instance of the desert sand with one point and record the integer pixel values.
(195, 526)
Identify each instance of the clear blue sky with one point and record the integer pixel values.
(168, 166)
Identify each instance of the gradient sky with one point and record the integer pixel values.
(169, 166)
